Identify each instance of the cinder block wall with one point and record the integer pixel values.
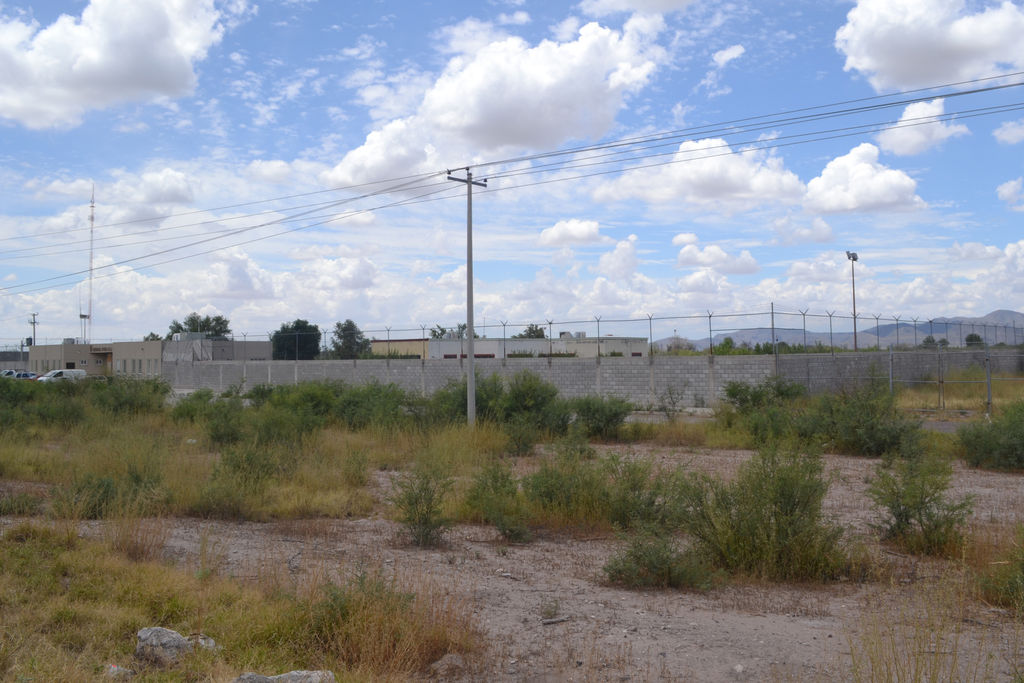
(679, 381)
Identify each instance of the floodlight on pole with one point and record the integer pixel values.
(852, 255)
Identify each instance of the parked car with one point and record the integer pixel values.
(24, 374)
(8, 373)
(60, 374)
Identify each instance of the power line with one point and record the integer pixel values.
(634, 146)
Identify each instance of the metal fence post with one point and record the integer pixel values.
(988, 382)
(892, 388)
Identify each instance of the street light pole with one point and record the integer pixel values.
(852, 255)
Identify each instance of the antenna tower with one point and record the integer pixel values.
(92, 224)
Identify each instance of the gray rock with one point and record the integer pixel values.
(449, 666)
(164, 647)
(290, 677)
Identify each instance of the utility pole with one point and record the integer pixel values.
(852, 256)
(33, 323)
(470, 352)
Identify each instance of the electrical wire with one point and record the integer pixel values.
(623, 147)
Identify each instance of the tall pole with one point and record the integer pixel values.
(470, 351)
(852, 255)
(92, 222)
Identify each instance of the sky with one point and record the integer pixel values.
(283, 159)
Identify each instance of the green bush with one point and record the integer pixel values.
(570, 487)
(225, 423)
(634, 496)
(419, 497)
(372, 404)
(250, 465)
(1003, 583)
(531, 397)
(771, 391)
(193, 407)
(522, 435)
(767, 522)
(997, 445)
(601, 417)
(865, 421)
(652, 560)
(126, 396)
(919, 516)
(494, 496)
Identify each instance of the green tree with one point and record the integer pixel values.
(532, 331)
(459, 332)
(348, 341)
(152, 336)
(298, 340)
(928, 342)
(216, 326)
(974, 339)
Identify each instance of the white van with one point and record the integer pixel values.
(54, 375)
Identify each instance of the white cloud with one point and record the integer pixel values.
(621, 262)
(720, 59)
(684, 238)
(919, 130)
(572, 231)
(509, 95)
(791, 231)
(974, 251)
(567, 29)
(600, 8)
(1010, 132)
(1012, 192)
(515, 19)
(858, 182)
(707, 172)
(716, 258)
(906, 44)
(723, 57)
(272, 171)
(115, 52)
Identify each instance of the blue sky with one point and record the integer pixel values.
(230, 145)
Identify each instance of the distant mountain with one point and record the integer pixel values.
(1000, 326)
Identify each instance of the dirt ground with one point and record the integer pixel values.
(547, 615)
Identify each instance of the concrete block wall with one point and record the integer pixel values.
(679, 381)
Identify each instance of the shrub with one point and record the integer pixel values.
(771, 391)
(767, 522)
(865, 421)
(193, 407)
(633, 494)
(570, 488)
(419, 496)
(919, 516)
(998, 444)
(522, 435)
(1003, 583)
(125, 396)
(371, 404)
(494, 496)
(225, 423)
(530, 397)
(20, 504)
(652, 560)
(601, 417)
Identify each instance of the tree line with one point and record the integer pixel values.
(301, 339)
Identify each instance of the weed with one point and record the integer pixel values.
(522, 435)
(998, 444)
(193, 407)
(494, 496)
(419, 497)
(225, 425)
(549, 608)
(651, 560)
(1002, 581)
(20, 504)
(767, 522)
(354, 469)
(601, 417)
(919, 516)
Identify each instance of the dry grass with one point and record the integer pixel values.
(83, 604)
(961, 391)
